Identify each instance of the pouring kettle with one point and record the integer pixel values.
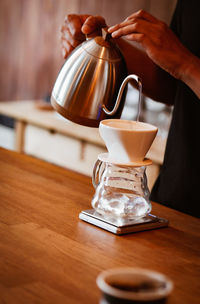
(90, 85)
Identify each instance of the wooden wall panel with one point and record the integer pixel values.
(30, 55)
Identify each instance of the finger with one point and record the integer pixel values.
(119, 25)
(124, 31)
(140, 26)
(74, 24)
(67, 45)
(63, 28)
(131, 20)
(142, 14)
(66, 49)
(64, 52)
(67, 36)
(93, 24)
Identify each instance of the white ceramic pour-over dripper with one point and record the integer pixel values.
(127, 141)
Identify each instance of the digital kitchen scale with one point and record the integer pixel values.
(122, 226)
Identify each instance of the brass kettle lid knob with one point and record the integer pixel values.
(104, 39)
(103, 47)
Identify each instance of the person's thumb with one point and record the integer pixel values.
(93, 24)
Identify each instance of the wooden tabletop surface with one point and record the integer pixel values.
(48, 255)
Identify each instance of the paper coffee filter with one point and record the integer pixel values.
(128, 125)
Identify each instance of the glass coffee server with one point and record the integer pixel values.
(121, 200)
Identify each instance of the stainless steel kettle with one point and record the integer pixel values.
(87, 89)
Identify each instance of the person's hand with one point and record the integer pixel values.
(159, 42)
(75, 29)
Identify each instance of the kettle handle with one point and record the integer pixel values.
(119, 96)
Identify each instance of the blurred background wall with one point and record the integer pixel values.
(30, 55)
(30, 59)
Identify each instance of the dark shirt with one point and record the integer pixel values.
(178, 185)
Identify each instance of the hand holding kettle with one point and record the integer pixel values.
(91, 84)
(161, 49)
(75, 29)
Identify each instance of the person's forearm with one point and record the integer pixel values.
(157, 84)
(191, 73)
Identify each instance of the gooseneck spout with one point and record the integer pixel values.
(121, 90)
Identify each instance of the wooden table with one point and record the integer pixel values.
(48, 255)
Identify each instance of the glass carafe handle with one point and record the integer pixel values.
(96, 176)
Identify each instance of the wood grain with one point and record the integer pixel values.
(47, 255)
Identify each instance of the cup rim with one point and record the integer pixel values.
(131, 295)
(106, 123)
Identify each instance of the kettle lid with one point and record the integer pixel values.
(103, 48)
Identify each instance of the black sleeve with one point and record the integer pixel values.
(176, 19)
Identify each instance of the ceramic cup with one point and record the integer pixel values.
(126, 140)
(133, 285)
